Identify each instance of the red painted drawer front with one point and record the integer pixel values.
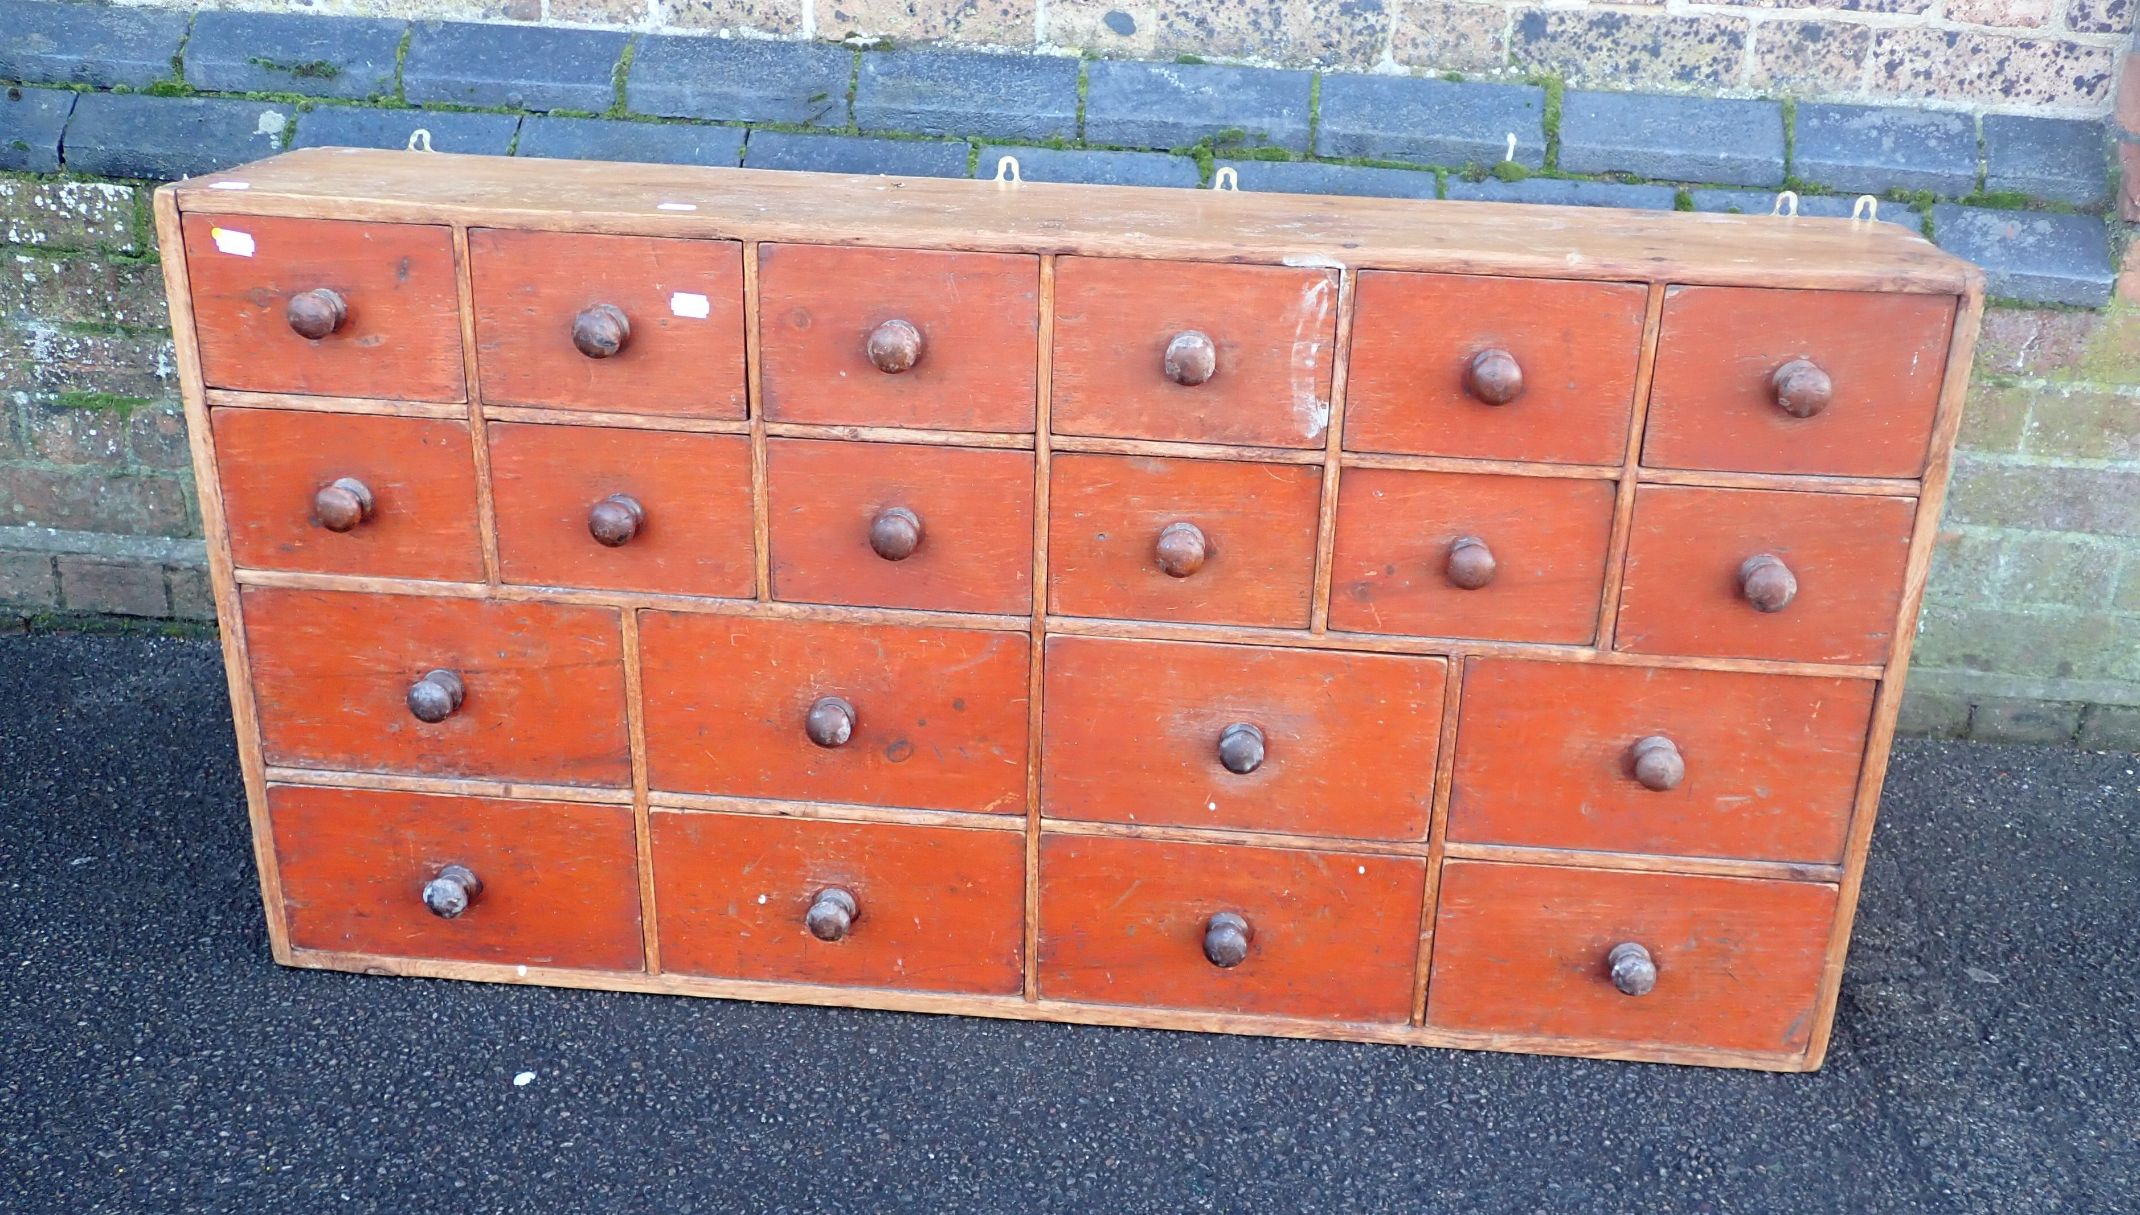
(978, 315)
(1332, 936)
(1713, 404)
(401, 333)
(560, 880)
(1272, 330)
(1523, 949)
(543, 686)
(1106, 514)
(693, 491)
(1390, 568)
(939, 715)
(1769, 763)
(1132, 731)
(936, 908)
(682, 302)
(1682, 592)
(1415, 336)
(975, 509)
(420, 472)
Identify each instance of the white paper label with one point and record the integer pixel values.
(230, 185)
(676, 206)
(232, 241)
(690, 304)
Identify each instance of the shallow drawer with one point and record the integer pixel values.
(371, 871)
(946, 529)
(1730, 963)
(616, 509)
(1754, 379)
(1323, 935)
(622, 324)
(331, 493)
(1641, 759)
(1463, 555)
(855, 904)
(1695, 574)
(1210, 541)
(541, 687)
(818, 711)
(899, 337)
(325, 307)
(1193, 352)
(1493, 368)
(1193, 735)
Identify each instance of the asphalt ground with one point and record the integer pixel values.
(154, 1059)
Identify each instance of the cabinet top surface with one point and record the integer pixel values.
(1121, 221)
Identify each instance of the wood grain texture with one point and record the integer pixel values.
(1521, 949)
(1415, 334)
(402, 336)
(939, 909)
(695, 490)
(1333, 934)
(1273, 329)
(1681, 592)
(978, 314)
(560, 886)
(682, 299)
(1548, 537)
(1771, 761)
(545, 686)
(1132, 731)
(1713, 404)
(940, 714)
(975, 509)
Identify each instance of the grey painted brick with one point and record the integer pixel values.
(526, 67)
(967, 93)
(1695, 139)
(2024, 721)
(740, 80)
(1819, 206)
(88, 44)
(2056, 158)
(31, 121)
(341, 126)
(165, 138)
(2111, 728)
(1931, 714)
(26, 580)
(1559, 192)
(124, 588)
(2033, 256)
(1172, 105)
(1094, 168)
(1305, 177)
(666, 143)
(306, 53)
(1436, 122)
(855, 154)
(1873, 149)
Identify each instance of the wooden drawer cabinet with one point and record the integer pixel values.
(1420, 623)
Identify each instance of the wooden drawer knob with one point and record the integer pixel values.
(1632, 970)
(602, 331)
(343, 504)
(1471, 563)
(1191, 358)
(1181, 549)
(615, 520)
(1657, 762)
(1767, 582)
(895, 533)
(1494, 377)
(316, 313)
(832, 914)
(1802, 389)
(895, 346)
(831, 722)
(1241, 748)
(1226, 938)
(437, 696)
(449, 894)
